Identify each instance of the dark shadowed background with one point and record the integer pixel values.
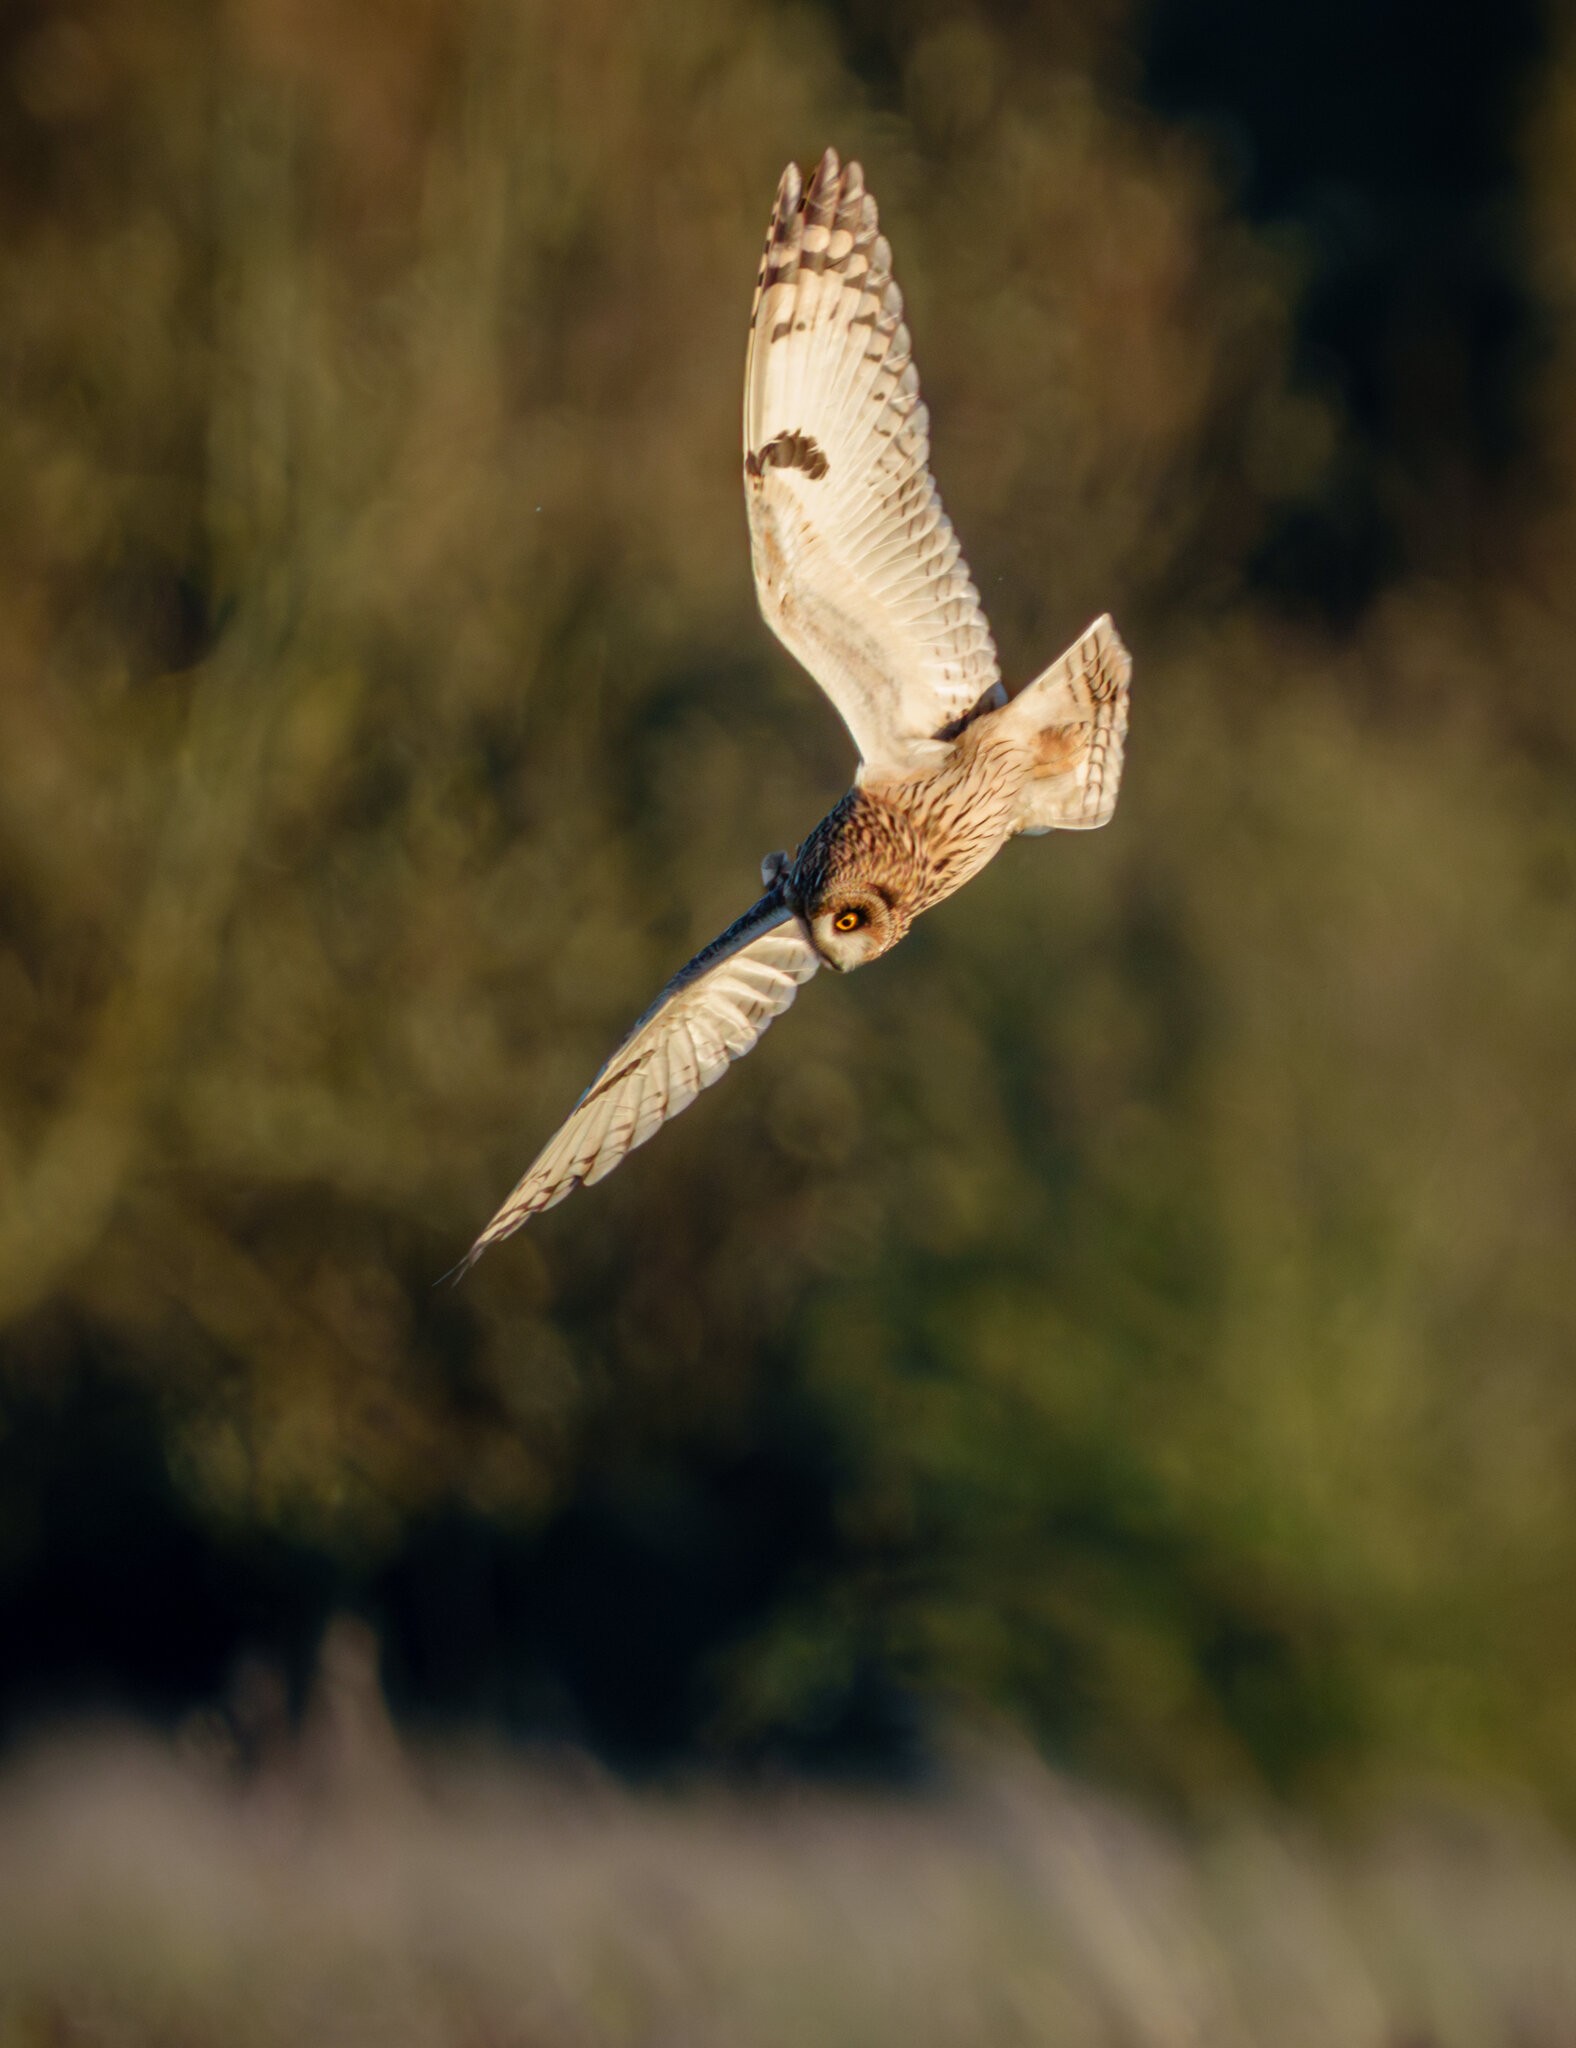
(1143, 1313)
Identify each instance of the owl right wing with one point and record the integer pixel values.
(857, 567)
(712, 1012)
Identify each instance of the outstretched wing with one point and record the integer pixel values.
(858, 569)
(711, 1012)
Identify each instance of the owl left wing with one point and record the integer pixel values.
(857, 567)
(712, 1012)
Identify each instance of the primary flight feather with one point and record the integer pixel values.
(860, 575)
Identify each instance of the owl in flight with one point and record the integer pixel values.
(860, 575)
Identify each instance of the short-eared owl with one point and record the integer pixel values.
(860, 575)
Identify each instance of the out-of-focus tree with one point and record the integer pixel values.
(1162, 1262)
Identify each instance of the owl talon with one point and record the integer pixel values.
(772, 867)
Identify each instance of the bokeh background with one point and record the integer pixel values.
(1138, 1321)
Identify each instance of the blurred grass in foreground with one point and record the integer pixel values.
(463, 1901)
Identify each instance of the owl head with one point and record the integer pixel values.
(852, 883)
(853, 924)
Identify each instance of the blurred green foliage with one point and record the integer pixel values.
(1168, 1251)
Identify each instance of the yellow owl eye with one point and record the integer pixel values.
(848, 920)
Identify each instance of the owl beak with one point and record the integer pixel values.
(825, 958)
(807, 934)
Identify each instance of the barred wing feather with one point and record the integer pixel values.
(710, 1014)
(857, 567)
(1073, 719)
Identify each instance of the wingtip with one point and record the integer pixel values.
(510, 1218)
(790, 190)
(458, 1271)
(1109, 646)
(504, 1224)
(829, 174)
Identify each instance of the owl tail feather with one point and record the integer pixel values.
(1073, 720)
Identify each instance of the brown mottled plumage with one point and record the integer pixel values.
(861, 576)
